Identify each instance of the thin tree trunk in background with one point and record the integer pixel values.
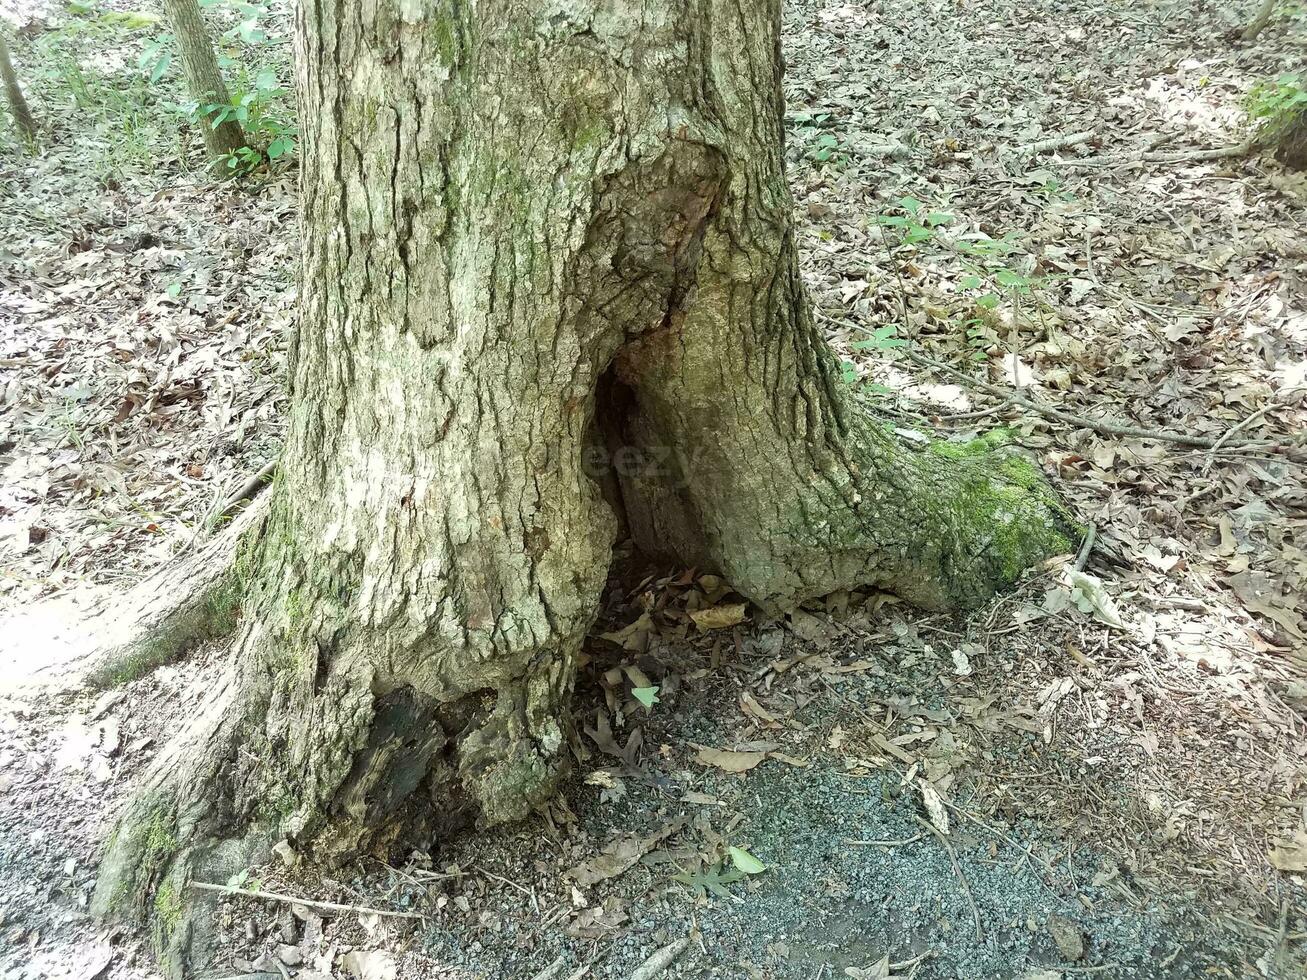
(550, 298)
(14, 94)
(1260, 21)
(203, 77)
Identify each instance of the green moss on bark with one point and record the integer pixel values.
(212, 615)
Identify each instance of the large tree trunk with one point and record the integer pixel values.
(203, 76)
(550, 292)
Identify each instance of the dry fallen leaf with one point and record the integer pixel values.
(372, 964)
(729, 761)
(620, 855)
(1291, 854)
(934, 804)
(719, 617)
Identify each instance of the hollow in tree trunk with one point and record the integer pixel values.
(14, 94)
(203, 76)
(550, 297)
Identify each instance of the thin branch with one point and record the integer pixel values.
(1103, 428)
(1196, 155)
(1260, 21)
(205, 886)
(1268, 407)
(887, 843)
(957, 869)
(1086, 547)
(252, 486)
(1054, 143)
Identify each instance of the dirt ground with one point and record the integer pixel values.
(1096, 776)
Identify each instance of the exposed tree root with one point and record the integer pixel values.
(184, 603)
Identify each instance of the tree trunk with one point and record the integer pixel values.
(550, 296)
(203, 77)
(14, 94)
(1264, 14)
(1291, 142)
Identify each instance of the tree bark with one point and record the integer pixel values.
(1258, 24)
(1291, 142)
(203, 77)
(14, 94)
(549, 296)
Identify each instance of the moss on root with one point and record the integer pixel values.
(211, 616)
(144, 846)
(1001, 503)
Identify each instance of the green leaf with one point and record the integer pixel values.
(910, 205)
(647, 696)
(937, 218)
(161, 67)
(746, 862)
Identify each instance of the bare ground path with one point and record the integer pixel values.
(1130, 793)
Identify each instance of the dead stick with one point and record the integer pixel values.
(887, 843)
(1198, 156)
(1086, 547)
(1269, 407)
(252, 486)
(957, 869)
(1053, 143)
(1104, 428)
(660, 960)
(205, 886)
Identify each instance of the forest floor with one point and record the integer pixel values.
(1074, 781)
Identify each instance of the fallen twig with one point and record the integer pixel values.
(660, 960)
(1264, 15)
(1199, 156)
(1240, 426)
(1196, 155)
(887, 843)
(1086, 546)
(252, 486)
(1053, 143)
(1103, 428)
(205, 886)
(957, 869)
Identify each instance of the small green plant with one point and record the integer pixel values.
(256, 107)
(736, 866)
(1276, 106)
(821, 146)
(916, 223)
(993, 267)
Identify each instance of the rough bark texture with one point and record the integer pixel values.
(1291, 142)
(550, 292)
(14, 94)
(203, 77)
